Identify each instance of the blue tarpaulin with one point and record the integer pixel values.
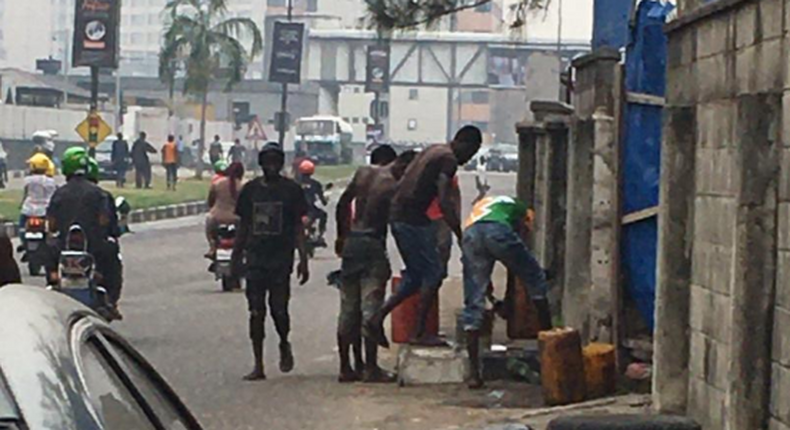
(645, 74)
(610, 28)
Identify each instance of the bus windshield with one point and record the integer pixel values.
(316, 128)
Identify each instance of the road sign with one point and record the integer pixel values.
(93, 130)
(255, 131)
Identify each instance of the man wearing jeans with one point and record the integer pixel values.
(492, 234)
(428, 177)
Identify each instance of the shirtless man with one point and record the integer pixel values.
(365, 271)
(428, 177)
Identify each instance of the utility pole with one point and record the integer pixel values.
(94, 105)
(559, 47)
(284, 101)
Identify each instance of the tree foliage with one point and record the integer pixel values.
(388, 15)
(201, 42)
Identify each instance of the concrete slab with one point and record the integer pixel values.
(421, 366)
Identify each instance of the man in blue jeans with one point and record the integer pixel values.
(428, 177)
(493, 234)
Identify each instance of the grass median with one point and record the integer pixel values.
(189, 190)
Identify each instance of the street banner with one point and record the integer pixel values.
(286, 64)
(378, 70)
(96, 33)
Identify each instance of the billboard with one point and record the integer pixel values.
(96, 33)
(286, 64)
(378, 70)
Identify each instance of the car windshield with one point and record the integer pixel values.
(105, 146)
(316, 128)
(506, 148)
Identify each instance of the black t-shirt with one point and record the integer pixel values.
(83, 203)
(418, 187)
(237, 153)
(313, 191)
(273, 212)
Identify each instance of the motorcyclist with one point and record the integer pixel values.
(112, 277)
(222, 199)
(81, 202)
(219, 171)
(314, 192)
(38, 190)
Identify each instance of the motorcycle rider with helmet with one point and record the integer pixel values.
(314, 192)
(219, 171)
(81, 202)
(38, 190)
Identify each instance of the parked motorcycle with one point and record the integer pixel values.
(76, 277)
(35, 244)
(222, 267)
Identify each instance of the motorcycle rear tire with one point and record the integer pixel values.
(34, 268)
(230, 284)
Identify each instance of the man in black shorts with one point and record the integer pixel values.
(270, 210)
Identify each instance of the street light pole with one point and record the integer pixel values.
(94, 105)
(284, 101)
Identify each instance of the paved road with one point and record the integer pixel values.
(197, 337)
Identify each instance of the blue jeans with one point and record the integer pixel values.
(484, 244)
(419, 250)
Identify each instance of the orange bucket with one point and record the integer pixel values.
(405, 317)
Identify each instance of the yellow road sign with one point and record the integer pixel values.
(93, 130)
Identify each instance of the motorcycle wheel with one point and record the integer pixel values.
(230, 284)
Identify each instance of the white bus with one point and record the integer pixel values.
(325, 139)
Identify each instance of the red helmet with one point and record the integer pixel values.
(307, 167)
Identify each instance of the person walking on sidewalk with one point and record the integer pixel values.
(362, 243)
(142, 165)
(170, 161)
(270, 210)
(428, 177)
(493, 233)
(120, 159)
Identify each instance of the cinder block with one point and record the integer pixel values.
(783, 240)
(784, 174)
(746, 22)
(745, 70)
(181, 211)
(781, 341)
(150, 214)
(775, 424)
(713, 73)
(420, 366)
(720, 262)
(170, 211)
(780, 393)
(769, 69)
(771, 18)
(712, 36)
(783, 281)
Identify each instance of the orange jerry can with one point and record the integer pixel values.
(523, 322)
(405, 317)
(562, 366)
(600, 370)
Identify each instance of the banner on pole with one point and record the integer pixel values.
(378, 70)
(286, 64)
(96, 33)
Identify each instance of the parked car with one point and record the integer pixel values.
(502, 157)
(104, 158)
(477, 162)
(62, 367)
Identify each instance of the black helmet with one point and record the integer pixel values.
(271, 148)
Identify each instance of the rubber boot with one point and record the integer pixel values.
(473, 348)
(373, 373)
(258, 373)
(347, 374)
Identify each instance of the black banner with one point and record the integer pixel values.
(378, 71)
(286, 64)
(96, 33)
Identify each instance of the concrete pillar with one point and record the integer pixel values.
(758, 151)
(528, 134)
(603, 241)
(673, 281)
(579, 223)
(595, 82)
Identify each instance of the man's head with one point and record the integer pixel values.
(466, 143)
(237, 142)
(119, 136)
(171, 138)
(401, 163)
(220, 166)
(75, 162)
(39, 164)
(383, 155)
(143, 135)
(216, 138)
(307, 168)
(271, 159)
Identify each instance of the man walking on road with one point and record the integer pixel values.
(270, 211)
(493, 234)
(142, 165)
(428, 177)
(366, 269)
(120, 159)
(215, 152)
(170, 161)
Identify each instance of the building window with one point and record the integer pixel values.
(312, 5)
(276, 3)
(412, 125)
(414, 94)
(355, 120)
(484, 8)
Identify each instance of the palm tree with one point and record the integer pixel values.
(206, 45)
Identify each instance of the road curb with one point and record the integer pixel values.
(138, 216)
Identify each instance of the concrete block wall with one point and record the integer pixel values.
(722, 343)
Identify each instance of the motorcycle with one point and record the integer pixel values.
(222, 265)
(76, 277)
(313, 238)
(34, 244)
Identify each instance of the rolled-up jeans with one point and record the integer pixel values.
(418, 248)
(484, 244)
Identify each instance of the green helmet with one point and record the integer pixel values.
(75, 161)
(220, 166)
(93, 169)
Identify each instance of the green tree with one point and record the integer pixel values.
(206, 46)
(388, 15)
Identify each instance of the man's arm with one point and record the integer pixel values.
(303, 271)
(343, 212)
(450, 210)
(212, 197)
(242, 235)
(150, 148)
(321, 195)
